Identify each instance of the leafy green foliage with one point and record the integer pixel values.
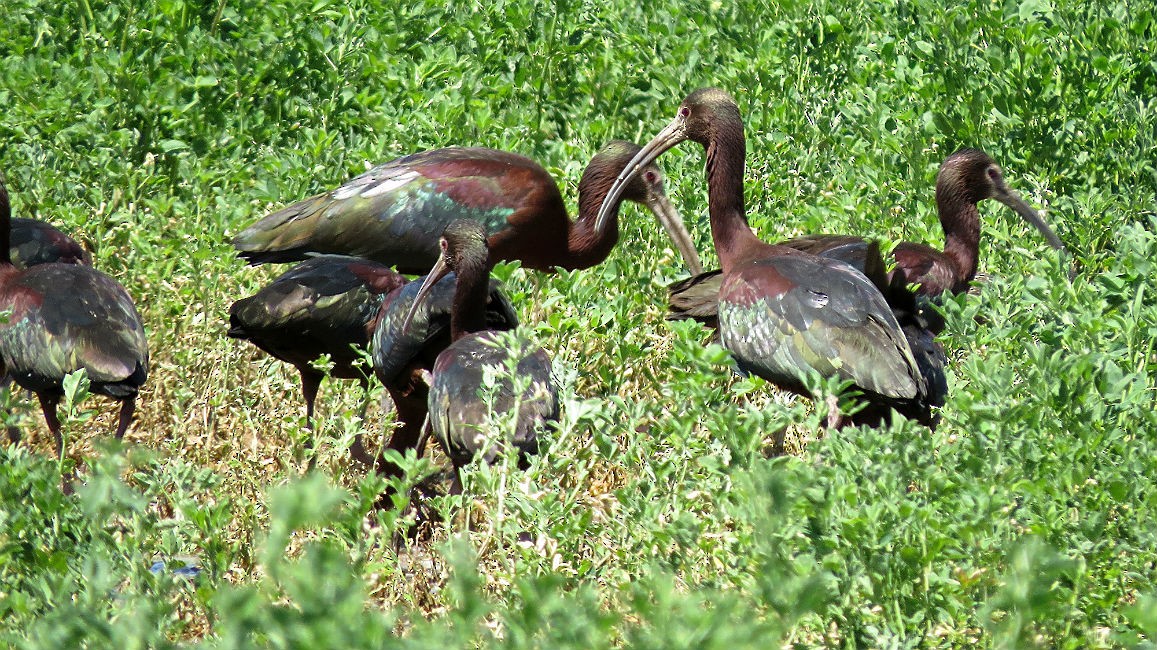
(658, 514)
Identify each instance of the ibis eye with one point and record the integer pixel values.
(684, 111)
(651, 178)
(994, 174)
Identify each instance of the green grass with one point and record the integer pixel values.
(655, 516)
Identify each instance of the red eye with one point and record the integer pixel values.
(994, 174)
(684, 111)
(651, 178)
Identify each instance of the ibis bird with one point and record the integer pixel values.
(325, 306)
(404, 352)
(484, 375)
(36, 242)
(330, 305)
(63, 318)
(783, 313)
(966, 178)
(395, 212)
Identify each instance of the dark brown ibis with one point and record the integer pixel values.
(63, 318)
(331, 305)
(469, 410)
(404, 353)
(36, 242)
(783, 313)
(327, 305)
(395, 212)
(966, 178)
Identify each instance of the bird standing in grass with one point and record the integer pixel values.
(966, 178)
(63, 318)
(35, 242)
(325, 306)
(488, 389)
(404, 352)
(783, 313)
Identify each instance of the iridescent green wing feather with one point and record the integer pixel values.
(64, 318)
(786, 316)
(395, 213)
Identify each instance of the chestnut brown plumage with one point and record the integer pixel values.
(785, 313)
(63, 318)
(395, 212)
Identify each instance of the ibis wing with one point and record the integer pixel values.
(321, 306)
(824, 243)
(786, 316)
(35, 242)
(471, 416)
(696, 297)
(67, 317)
(395, 212)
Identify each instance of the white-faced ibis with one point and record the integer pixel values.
(63, 318)
(395, 212)
(466, 415)
(35, 242)
(785, 313)
(966, 178)
(405, 352)
(327, 305)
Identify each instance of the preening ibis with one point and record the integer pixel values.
(404, 353)
(35, 242)
(327, 305)
(395, 212)
(466, 419)
(63, 318)
(785, 313)
(966, 178)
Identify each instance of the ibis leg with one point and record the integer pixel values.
(310, 383)
(48, 404)
(411, 413)
(128, 408)
(456, 482)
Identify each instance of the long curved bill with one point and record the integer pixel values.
(441, 269)
(671, 135)
(672, 222)
(1013, 200)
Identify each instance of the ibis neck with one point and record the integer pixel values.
(5, 226)
(468, 314)
(585, 247)
(960, 219)
(734, 240)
